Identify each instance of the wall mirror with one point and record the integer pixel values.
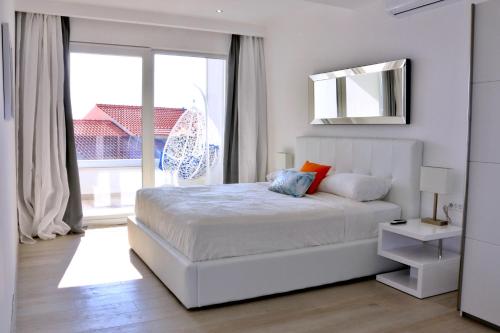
(374, 94)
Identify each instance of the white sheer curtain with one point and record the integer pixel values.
(42, 177)
(252, 111)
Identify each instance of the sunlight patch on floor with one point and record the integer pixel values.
(102, 256)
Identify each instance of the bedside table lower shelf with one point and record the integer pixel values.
(401, 280)
(425, 281)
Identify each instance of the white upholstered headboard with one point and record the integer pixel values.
(398, 159)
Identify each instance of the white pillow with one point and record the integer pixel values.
(355, 186)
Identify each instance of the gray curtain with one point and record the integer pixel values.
(231, 174)
(73, 215)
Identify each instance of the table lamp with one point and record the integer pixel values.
(284, 161)
(437, 181)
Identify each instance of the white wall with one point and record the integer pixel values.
(163, 38)
(323, 39)
(8, 210)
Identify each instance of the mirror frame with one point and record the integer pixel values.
(404, 119)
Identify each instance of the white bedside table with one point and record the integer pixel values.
(432, 270)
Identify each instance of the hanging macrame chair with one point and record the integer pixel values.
(186, 149)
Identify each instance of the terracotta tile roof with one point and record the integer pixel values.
(129, 117)
(86, 127)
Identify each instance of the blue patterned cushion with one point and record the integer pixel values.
(294, 183)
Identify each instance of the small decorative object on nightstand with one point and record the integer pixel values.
(431, 270)
(437, 181)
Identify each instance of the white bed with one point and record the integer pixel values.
(224, 243)
(215, 222)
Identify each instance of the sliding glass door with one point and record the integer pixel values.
(144, 119)
(106, 94)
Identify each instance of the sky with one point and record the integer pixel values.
(112, 79)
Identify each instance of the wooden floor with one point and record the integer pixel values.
(95, 283)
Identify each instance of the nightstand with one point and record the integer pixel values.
(431, 270)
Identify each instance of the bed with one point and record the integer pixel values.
(224, 243)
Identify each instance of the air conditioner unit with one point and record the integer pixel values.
(397, 7)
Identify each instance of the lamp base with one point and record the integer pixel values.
(429, 220)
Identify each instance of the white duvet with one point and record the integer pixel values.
(213, 222)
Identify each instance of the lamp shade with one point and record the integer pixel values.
(435, 180)
(283, 161)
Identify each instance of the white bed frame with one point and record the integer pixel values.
(198, 284)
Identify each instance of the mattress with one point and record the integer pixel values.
(221, 221)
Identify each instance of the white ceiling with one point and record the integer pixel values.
(245, 11)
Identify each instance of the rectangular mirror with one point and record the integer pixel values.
(375, 94)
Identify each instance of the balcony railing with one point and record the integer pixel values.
(84, 164)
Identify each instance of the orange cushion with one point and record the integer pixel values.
(321, 172)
